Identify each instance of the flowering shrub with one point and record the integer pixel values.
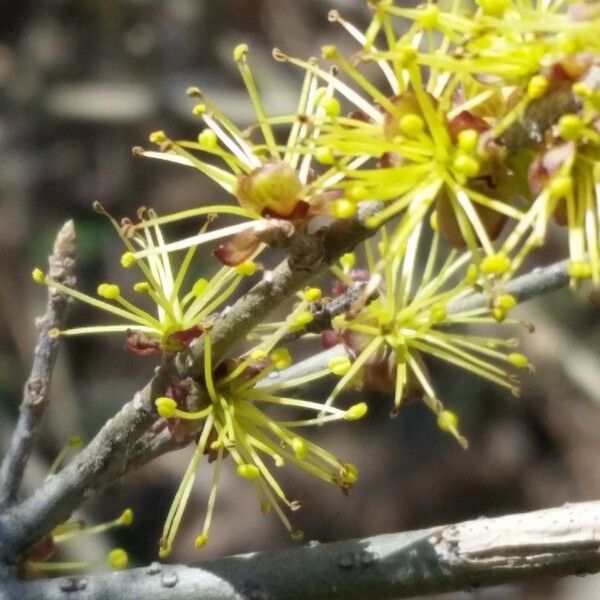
(479, 127)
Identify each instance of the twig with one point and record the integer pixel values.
(482, 552)
(105, 457)
(36, 392)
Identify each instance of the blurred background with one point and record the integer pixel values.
(81, 82)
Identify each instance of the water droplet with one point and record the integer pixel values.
(346, 561)
(169, 579)
(313, 543)
(73, 584)
(154, 568)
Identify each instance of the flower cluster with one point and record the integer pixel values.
(468, 130)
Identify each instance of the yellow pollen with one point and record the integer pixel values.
(166, 407)
(518, 360)
(343, 209)
(299, 448)
(117, 559)
(199, 287)
(247, 268)
(570, 127)
(356, 411)
(467, 140)
(348, 261)
(126, 517)
(411, 125)
(537, 87)
(110, 291)
(208, 139)
(497, 264)
(447, 421)
(331, 106)
(466, 165)
(201, 540)
(247, 471)
(329, 52)
(339, 365)
(281, 358)
(199, 110)
(128, 260)
(142, 287)
(312, 294)
(158, 137)
(38, 276)
(348, 474)
(494, 8)
(324, 155)
(428, 17)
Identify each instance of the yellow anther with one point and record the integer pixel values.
(297, 535)
(331, 106)
(357, 411)
(495, 8)
(324, 155)
(447, 421)
(467, 140)
(496, 264)
(516, 359)
(428, 16)
(560, 186)
(128, 260)
(506, 302)
(348, 261)
(54, 332)
(142, 287)
(329, 52)
(312, 294)
(339, 365)
(38, 276)
(299, 448)
(208, 139)
(258, 355)
(348, 474)
(582, 89)
(158, 137)
(281, 358)
(166, 407)
(247, 471)
(110, 291)
(199, 110)
(199, 287)
(300, 320)
(343, 209)
(201, 540)
(438, 313)
(126, 517)
(570, 127)
(240, 52)
(164, 551)
(466, 165)
(247, 268)
(537, 87)
(117, 559)
(357, 192)
(499, 314)
(411, 125)
(579, 269)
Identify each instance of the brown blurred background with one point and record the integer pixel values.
(81, 82)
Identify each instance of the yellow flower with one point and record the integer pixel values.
(266, 177)
(232, 422)
(178, 316)
(417, 315)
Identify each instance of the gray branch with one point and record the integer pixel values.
(482, 552)
(36, 392)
